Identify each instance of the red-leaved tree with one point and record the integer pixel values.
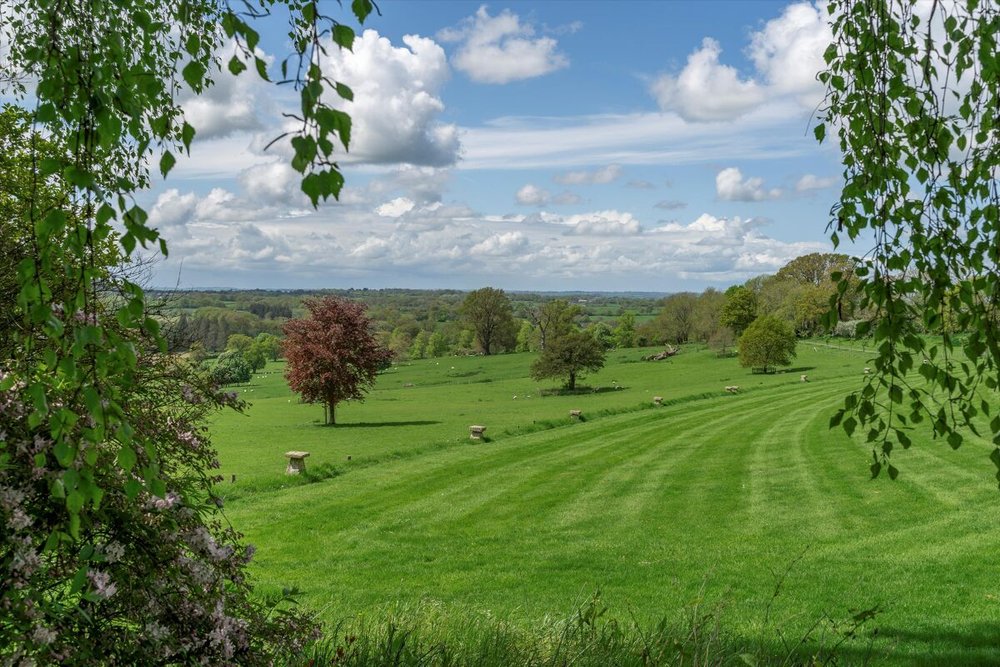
(332, 355)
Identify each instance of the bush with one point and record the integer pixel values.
(231, 367)
(152, 574)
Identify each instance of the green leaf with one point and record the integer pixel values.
(903, 439)
(236, 66)
(345, 91)
(132, 488)
(126, 458)
(955, 439)
(79, 579)
(167, 162)
(74, 502)
(194, 75)
(187, 135)
(343, 36)
(361, 9)
(311, 186)
(820, 132)
(261, 68)
(850, 424)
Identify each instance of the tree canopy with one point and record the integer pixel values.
(912, 99)
(568, 356)
(332, 355)
(739, 310)
(490, 314)
(766, 343)
(554, 318)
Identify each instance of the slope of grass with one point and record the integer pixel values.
(433, 402)
(709, 498)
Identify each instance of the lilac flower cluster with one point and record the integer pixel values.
(155, 576)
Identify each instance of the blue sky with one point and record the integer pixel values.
(654, 146)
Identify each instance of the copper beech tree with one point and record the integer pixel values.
(332, 355)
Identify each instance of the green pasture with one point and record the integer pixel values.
(707, 499)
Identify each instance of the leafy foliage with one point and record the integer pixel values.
(554, 318)
(332, 355)
(624, 333)
(912, 94)
(568, 356)
(739, 310)
(120, 554)
(766, 343)
(489, 312)
(232, 367)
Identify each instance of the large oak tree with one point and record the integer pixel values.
(332, 355)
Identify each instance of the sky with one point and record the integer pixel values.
(590, 145)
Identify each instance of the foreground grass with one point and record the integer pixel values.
(706, 499)
(430, 635)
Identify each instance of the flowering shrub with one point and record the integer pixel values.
(151, 577)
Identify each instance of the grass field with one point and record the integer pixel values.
(708, 498)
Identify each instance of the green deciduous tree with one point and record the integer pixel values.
(912, 99)
(437, 345)
(766, 343)
(239, 342)
(490, 314)
(624, 333)
(554, 318)
(418, 349)
(269, 345)
(675, 322)
(232, 367)
(568, 356)
(739, 310)
(527, 337)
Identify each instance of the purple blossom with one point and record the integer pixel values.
(101, 583)
(43, 635)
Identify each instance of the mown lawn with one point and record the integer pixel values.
(709, 498)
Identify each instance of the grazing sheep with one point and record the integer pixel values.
(804, 378)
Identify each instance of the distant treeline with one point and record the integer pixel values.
(421, 323)
(403, 318)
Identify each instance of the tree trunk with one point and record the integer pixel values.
(331, 415)
(572, 381)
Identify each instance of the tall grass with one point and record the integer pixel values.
(431, 635)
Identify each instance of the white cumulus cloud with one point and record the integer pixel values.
(787, 54)
(232, 103)
(731, 186)
(395, 208)
(396, 100)
(532, 195)
(707, 90)
(500, 49)
(172, 211)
